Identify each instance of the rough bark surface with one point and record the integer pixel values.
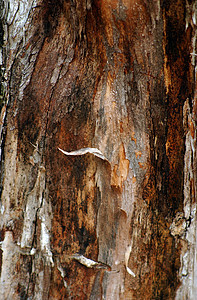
(117, 221)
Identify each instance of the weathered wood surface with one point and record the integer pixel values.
(117, 76)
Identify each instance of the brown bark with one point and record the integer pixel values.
(117, 76)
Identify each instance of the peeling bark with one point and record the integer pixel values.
(112, 85)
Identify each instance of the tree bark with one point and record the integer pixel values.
(118, 219)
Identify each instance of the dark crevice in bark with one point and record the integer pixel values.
(51, 11)
(177, 51)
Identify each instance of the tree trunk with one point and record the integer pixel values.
(118, 219)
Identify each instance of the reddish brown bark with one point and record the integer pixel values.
(113, 75)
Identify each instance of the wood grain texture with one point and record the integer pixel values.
(115, 76)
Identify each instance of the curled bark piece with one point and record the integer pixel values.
(89, 263)
(63, 274)
(130, 272)
(127, 255)
(83, 151)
